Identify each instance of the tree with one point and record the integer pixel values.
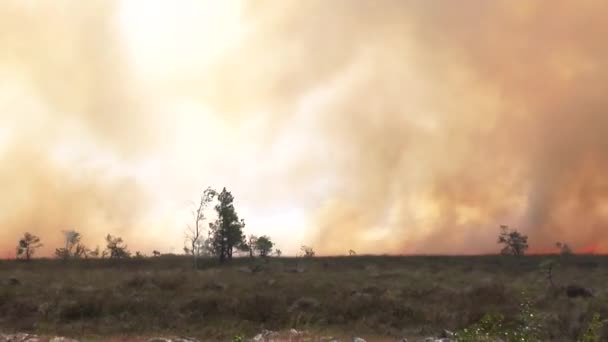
(226, 232)
(264, 245)
(251, 245)
(278, 252)
(27, 246)
(515, 242)
(73, 247)
(308, 251)
(564, 249)
(194, 233)
(115, 248)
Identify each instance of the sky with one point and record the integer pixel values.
(382, 126)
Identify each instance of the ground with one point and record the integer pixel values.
(379, 298)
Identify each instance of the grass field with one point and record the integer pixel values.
(378, 297)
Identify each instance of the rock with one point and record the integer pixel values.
(271, 282)
(265, 335)
(295, 333)
(304, 303)
(217, 285)
(19, 338)
(13, 281)
(573, 291)
(358, 339)
(328, 339)
(244, 269)
(402, 340)
(62, 339)
(446, 334)
(177, 339)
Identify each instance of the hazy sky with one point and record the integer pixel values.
(383, 126)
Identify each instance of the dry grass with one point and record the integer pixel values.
(364, 295)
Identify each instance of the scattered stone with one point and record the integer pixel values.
(19, 338)
(358, 339)
(573, 291)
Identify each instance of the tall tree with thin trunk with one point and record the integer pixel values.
(226, 232)
(194, 233)
(27, 246)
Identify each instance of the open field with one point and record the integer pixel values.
(375, 297)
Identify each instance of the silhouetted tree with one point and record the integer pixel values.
(515, 242)
(251, 245)
(564, 249)
(115, 248)
(73, 246)
(226, 233)
(307, 251)
(278, 253)
(264, 245)
(27, 246)
(194, 234)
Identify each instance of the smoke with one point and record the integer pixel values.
(442, 120)
(66, 103)
(394, 126)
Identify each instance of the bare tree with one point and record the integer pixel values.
(73, 246)
(194, 234)
(251, 245)
(115, 248)
(307, 251)
(28, 245)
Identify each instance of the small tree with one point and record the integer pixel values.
(278, 253)
(307, 251)
(264, 245)
(92, 253)
(194, 234)
(515, 242)
(27, 246)
(226, 233)
(73, 247)
(115, 248)
(564, 249)
(251, 245)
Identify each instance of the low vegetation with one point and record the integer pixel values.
(363, 295)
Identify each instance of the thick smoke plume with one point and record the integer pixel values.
(409, 126)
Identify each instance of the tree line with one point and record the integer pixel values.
(223, 237)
